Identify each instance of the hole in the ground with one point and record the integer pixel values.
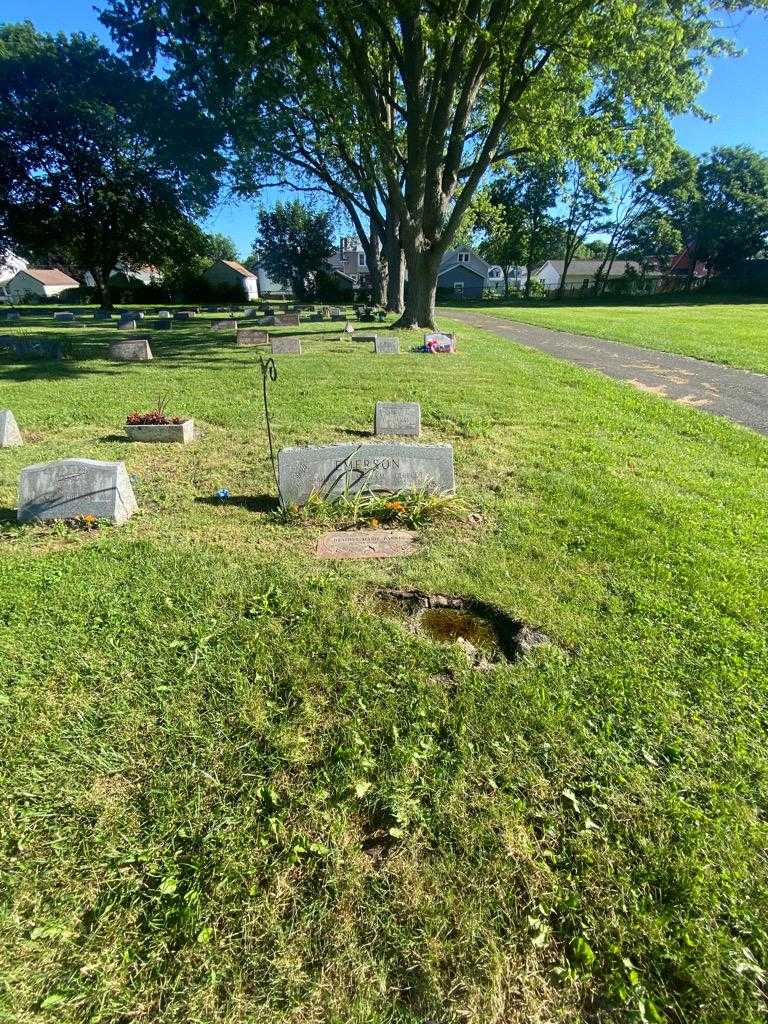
(485, 632)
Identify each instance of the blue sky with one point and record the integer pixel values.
(737, 93)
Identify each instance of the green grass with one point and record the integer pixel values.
(234, 790)
(734, 333)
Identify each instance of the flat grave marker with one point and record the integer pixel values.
(386, 346)
(286, 346)
(378, 467)
(367, 544)
(397, 418)
(76, 487)
(10, 435)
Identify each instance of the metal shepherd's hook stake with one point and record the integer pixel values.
(269, 372)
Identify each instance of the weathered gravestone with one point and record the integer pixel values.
(248, 336)
(367, 544)
(126, 325)
(268, 321)
(102, 314)
(364, 337)
(184, 314)
(251, 313)
(286, 346)
(162, 325)
(287, 320)
(386, 346)
(76, 487)
(379, 466)
(130, 350)
(403, 418)
(10, 435)
(64, 318)
(164, 314)
(223, 326)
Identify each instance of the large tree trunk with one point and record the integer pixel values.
(377, 273)
(393, 253)
(419, 308)
(101, 285)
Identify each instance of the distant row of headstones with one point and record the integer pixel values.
(71, 488)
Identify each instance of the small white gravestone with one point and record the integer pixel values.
(64, 317)
(10, 435)
(76, 487)
(398, 418)
(286, 346)
(164, 314)
(130, 350)
(386, 346)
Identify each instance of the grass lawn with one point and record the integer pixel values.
(734, 333)
(235, 789)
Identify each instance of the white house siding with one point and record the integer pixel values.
(22, 285)
(222, 274)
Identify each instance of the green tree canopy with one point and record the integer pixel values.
(293, 244)
(101, 165)
(421, 99)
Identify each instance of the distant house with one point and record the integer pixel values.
(230, 273)
(581, 273)
(40, 284)
(351, 262)
(465, 273)
(269, 287)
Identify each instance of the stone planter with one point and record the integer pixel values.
(170, 433)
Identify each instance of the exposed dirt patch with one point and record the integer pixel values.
(487, 634)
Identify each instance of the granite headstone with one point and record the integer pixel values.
(398, 418)
(10, 435)
(130, 350)
(76, 487)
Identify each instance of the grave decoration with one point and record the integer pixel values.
(397, 418)
(130, 350)
(10, 435)
(437, 343)
(384, 346)
(156, 425)
(286, 346)
(331, 470)
(73, 489)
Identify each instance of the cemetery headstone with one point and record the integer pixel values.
(130, 350)
(364, 337)
(10, 435)
(286, 346)
(184, 314)
(287, 320)
(386, 346)
(224, 326)
(398, 418)
(76, 487)
(378, 466)
(164, 314)
(268, 321)
(64, 318)
(248, 336)
(367, 544)
(40, 348)
(102, 314)
(162, 324)
(12, 314)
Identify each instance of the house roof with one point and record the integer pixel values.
(462, 266)
(588, 268)
(50, 276)
(238, 268)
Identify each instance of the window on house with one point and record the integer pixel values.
(494, 272)
(458, 288)
(463, 257)
(361, 259)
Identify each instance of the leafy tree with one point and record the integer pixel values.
(584, 199)
(653, 241)
(220, 247)
(104, 166)
(419, 100)
(293, 244)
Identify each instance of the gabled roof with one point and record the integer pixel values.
(589, 268)
(238, 268)
(463, 266)
(50, 277)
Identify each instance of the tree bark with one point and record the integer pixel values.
(376, 272)
(101, 284)
(393, 253)
(420, 295)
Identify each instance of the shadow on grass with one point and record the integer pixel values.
(7, 515)
(250, 502)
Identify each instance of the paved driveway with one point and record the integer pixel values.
(739, 395)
